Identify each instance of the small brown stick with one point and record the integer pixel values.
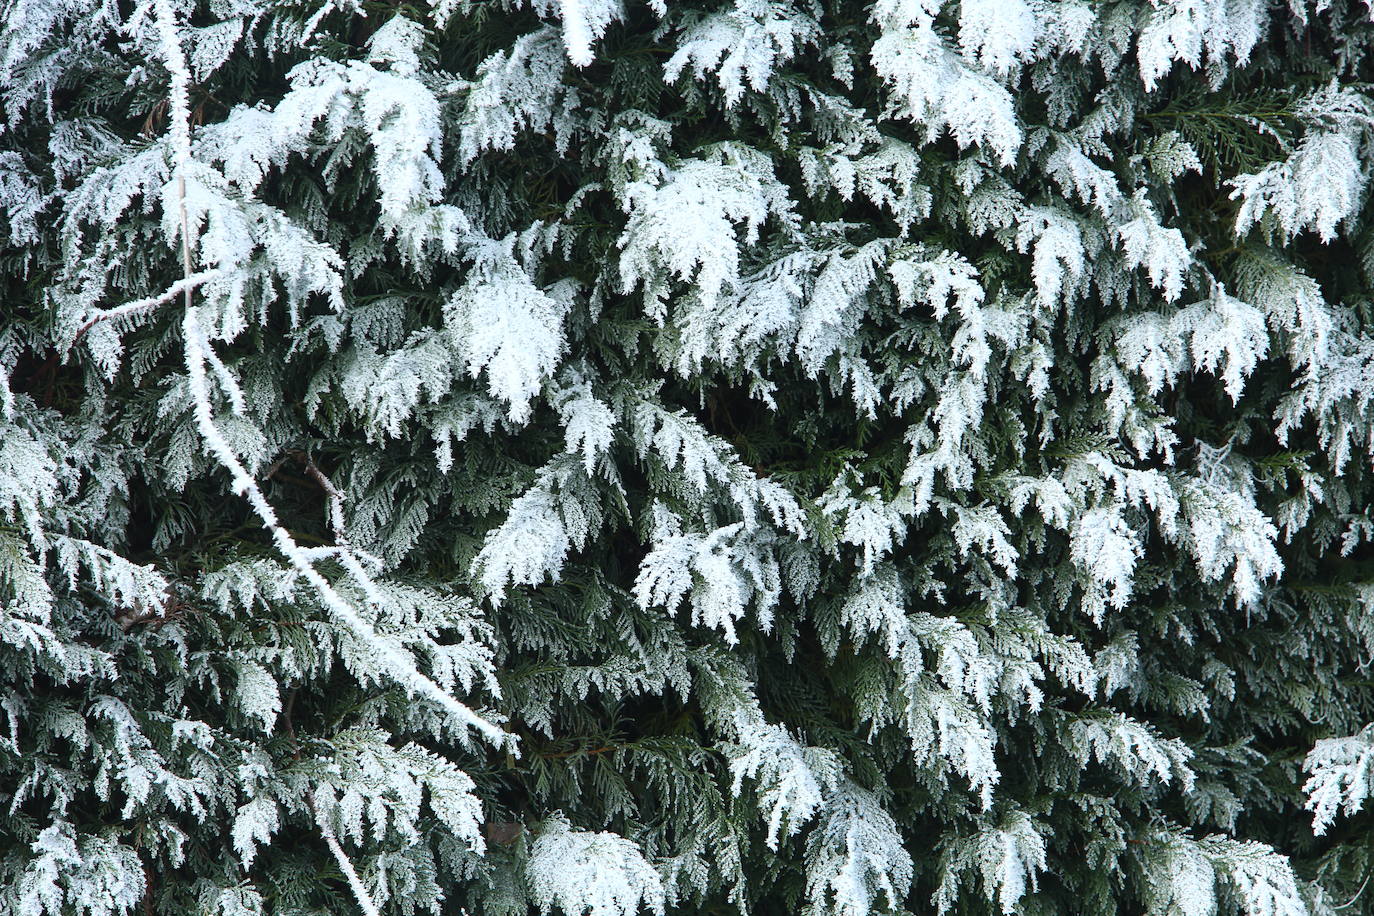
(336, 499)
(321, 479)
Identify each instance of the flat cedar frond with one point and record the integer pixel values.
(608, 459)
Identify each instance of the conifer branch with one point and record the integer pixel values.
(393, 658)
(142, 306)
(897, 433)
(355, 883)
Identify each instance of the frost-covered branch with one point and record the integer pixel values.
(199, 355)
(355, 883)
(835, 392)
(179, 125)
(392, 657)
(151, 303)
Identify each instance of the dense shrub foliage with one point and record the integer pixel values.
(759, 456)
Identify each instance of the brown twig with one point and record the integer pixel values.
(321, 480)
(556, 755)
(147, 889)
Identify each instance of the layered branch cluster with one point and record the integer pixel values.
(759, 455)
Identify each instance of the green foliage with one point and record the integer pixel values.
(752, 456)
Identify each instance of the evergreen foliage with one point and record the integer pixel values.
(760, 456)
